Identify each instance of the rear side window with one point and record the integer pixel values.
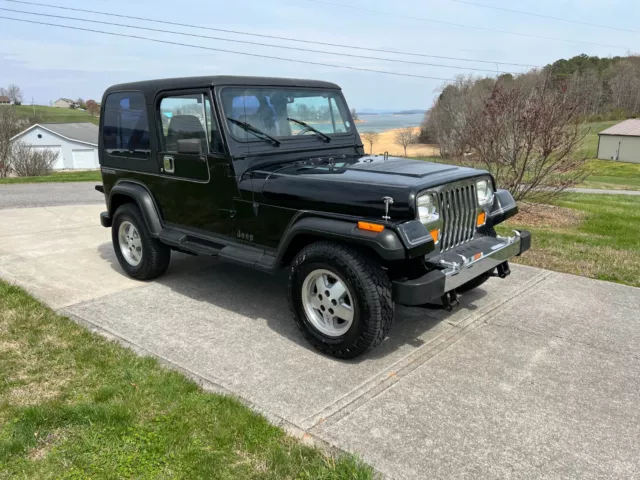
(125, 130)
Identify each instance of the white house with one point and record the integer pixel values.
(75, 143)
(620, 142)
(65, 103)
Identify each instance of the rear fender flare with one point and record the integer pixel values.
(143, 199)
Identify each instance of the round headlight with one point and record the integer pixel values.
(485, 192)
(427, 208)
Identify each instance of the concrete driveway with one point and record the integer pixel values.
(536, 376)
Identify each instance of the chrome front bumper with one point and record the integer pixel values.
(468, 268)
(458, 266)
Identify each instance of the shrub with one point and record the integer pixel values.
(29, 162)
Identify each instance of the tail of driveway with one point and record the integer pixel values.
(534, 376)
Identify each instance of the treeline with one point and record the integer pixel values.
(611, 86)
(608, 88)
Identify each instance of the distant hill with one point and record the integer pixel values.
(375, 111)
(40, 113)
(409, 112)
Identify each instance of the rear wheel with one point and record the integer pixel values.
(340, 299)
(480, 279)
(140, 255)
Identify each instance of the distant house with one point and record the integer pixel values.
(620, 142)
(76, 144)
(5, 100)
(65, 103)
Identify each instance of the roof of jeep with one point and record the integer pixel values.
(150, 86)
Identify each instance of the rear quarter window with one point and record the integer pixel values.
(125, 129)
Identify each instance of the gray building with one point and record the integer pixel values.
(620, 142)
(75, 143)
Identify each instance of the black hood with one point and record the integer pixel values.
(353, 185)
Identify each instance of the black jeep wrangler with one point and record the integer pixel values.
(271, 173)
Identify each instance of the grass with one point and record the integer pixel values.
(75, 406)
(603, 244)
(613, 175)
(84, 176)
(55, 115)
(590, 142)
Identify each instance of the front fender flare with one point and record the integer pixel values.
(143, 199)
(387, 244)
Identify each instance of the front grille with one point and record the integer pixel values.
(458, 206)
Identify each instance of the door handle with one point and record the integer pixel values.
(168, 164)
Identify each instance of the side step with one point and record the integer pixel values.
(182, 241)
(248, 258)
(243, 256)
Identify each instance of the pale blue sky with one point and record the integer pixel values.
(49, 62)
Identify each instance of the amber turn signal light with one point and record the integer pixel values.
(435, 234)
(482, 219)
(371, 227)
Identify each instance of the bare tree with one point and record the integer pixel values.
(29, 162)
(92, 107)
(528, 135)
(354, 114)
(15, 94)
(370, 138)
(405, 137)
(10, 125)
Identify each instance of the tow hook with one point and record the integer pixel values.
(449, 300)
(503, 270)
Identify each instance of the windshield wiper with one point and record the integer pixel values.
(247, 127)
(309, 128)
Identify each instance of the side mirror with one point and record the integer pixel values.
(190, 146)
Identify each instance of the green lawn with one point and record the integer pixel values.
(605, 244)
(88, 176)
(75, 406)
(55, 115)
(590, 142)
(613, 175)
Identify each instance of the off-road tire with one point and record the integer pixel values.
(479, 280)
(155, 254)
(366, 280)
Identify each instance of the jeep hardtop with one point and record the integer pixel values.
(271, 173)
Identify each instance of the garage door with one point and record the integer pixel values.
(59, 163)
(85, 158)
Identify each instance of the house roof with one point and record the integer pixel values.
(628, 128)
(83, 132)
(79, 132)
(3, 98)
(68, 100)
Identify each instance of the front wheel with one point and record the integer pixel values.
(340, 299)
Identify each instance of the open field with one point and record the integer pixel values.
(76, 405)
(55, 115)
(81, 176)
(595, 236)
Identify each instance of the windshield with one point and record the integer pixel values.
(285, 112)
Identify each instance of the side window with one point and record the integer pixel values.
(125, 130)
(188, 117)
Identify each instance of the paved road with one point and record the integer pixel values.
(48, 194)
(603, 192)
(535, 376)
